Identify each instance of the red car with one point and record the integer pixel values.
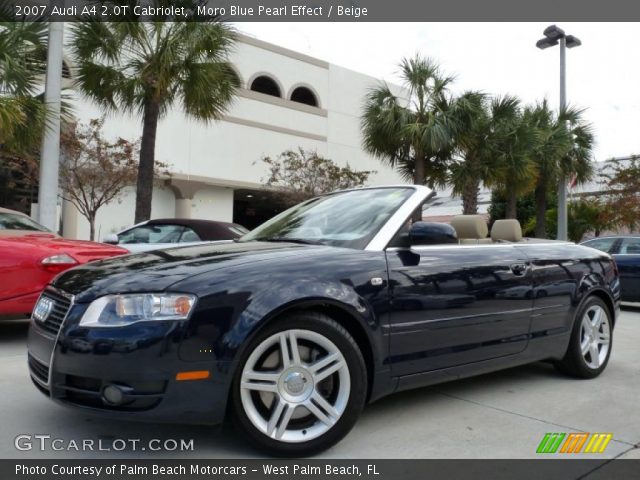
(31, 255)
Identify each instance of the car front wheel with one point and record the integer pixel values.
(301, 385)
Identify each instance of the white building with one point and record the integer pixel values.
(286, 100)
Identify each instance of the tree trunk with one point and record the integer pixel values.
(419, 177)
(541, 210)
(144, 186)
(512, 208)
(92, 227)
(420, 170)
(470, 197)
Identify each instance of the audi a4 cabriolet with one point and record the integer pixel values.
(336, 302)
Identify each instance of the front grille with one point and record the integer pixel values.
(39, 370)
(61, 306)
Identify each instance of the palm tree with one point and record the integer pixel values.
(511, 142)
(414, 135)
(22, 64)
(146, 68)
(562, 148)
(474, 163)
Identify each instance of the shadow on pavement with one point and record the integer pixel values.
(630, 307)
(13, 330)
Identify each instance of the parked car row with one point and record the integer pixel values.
(31, 255)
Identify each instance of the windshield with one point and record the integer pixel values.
(346, 219)
(14, 221)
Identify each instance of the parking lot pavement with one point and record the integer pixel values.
(500, 415)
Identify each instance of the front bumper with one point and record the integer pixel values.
(75, 365)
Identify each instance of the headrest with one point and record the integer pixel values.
(432, 233)
(470, 226)
(508, 230)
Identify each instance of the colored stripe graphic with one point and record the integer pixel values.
(598, 442)
(550, 442)
(573, 442)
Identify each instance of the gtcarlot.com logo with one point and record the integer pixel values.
(574, 442)
(45, 442)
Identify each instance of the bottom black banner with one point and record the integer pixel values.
(320, 469)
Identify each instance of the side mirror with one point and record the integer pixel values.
(112, 239)
(431, 233)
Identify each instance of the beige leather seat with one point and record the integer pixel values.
(506, 231)
(471, 229)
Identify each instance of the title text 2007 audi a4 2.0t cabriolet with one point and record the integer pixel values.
(330, 305)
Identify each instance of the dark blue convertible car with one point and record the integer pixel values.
(334, 303)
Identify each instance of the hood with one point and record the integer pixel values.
(48, 243)
(159, 269)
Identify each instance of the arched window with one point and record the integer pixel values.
(304, 95)
(266, 85)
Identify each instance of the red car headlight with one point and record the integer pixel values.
(58, 263)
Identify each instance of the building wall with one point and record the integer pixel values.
(117, 215)
(213, 203)
(226, 154)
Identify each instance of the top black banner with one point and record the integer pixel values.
(320, 10)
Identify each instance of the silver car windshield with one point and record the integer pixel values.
(344, 219)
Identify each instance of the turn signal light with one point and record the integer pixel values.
(182, 305)
(193, 375)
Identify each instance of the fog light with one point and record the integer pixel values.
(113, 395)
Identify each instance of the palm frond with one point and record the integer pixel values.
(123, 66)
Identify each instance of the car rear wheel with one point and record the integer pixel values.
(300, 386)
(591, 341)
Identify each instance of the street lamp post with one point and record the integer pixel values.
(554, 35)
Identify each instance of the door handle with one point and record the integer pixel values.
(519, 268)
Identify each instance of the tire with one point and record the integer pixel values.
(305, 404)
(589, 351)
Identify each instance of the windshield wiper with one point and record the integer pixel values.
(303, 241)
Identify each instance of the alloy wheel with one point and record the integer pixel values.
(595, 336)
(295, 386)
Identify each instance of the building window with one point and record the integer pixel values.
(304, 95)
(266, 85)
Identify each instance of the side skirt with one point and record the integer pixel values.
(543, 348)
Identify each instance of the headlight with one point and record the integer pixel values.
(121, 310)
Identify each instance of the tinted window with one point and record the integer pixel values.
(152, 234)
(13, 221)
(630, 246)
(603, 244)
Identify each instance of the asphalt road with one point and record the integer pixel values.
(500, 415)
